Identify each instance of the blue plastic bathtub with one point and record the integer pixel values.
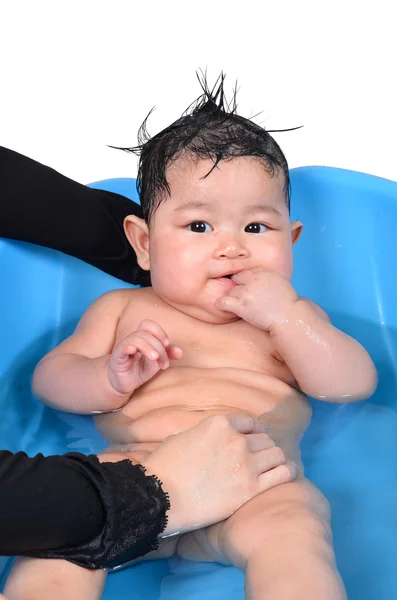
(345, 261)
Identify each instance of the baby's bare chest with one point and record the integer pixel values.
(237, 345)
(224, 368)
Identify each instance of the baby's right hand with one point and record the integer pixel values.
(139, 356)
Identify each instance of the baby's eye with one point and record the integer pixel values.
(200, 227)
(256, 228)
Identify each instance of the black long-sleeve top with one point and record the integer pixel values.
(53, 205)
(98, 515)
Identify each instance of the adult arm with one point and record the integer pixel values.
(78, 508)
(41, 206)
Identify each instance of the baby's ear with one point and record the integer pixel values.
(137, 233)
(296, 230)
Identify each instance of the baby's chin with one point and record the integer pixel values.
(205, 311)
(207, 314)
(222, 319)
(213, 315)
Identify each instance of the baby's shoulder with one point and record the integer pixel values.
(124, 295)
(112, 304)
(139, 304)
(137, 296)
(114, 299)
(136, 300)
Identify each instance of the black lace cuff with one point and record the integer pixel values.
(135, 509)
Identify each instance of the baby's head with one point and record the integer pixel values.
(214, 189)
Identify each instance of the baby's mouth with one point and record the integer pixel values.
(226, 279)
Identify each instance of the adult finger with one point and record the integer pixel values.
(259, 441)
(281, 474)
(268, 459)
(243, 422)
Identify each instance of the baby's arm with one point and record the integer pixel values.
(326, 363)
(74, 376)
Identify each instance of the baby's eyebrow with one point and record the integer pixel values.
(263, 208)
(252, 208)
(193, 204)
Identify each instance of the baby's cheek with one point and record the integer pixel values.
(172, 269)
(284, 268)
(279, 259)
(163, 273)
(287, 267)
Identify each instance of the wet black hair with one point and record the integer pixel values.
(209, 129)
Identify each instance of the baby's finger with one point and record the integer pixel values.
(174, 352)
(259, 441)
(245, 276)
(228, 303)
(155, 329)
(149, 346)
(142, 347)
(241, 276)
(150, 338)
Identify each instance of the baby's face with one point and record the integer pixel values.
(234, 219)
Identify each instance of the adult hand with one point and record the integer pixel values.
(212, 469)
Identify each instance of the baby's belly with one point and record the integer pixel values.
(179, 398)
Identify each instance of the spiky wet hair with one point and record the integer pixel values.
(209, 129)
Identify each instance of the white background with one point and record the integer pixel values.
(77, 75)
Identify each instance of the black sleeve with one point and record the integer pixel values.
(41, 206)
(74, 507)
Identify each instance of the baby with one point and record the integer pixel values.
(221, 330)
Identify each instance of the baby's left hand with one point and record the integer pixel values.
(261, 297)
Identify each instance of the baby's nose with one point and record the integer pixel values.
(231, 249)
